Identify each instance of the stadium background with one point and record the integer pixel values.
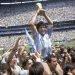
(14, 18)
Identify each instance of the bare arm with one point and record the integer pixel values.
(40, 12)
(50, 22)
(43, 13)
(59, 70)
(32, 22)
(13, 50)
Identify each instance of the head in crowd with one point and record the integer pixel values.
(52, 61)
(62, 48)
(24, 54)
(5, 69)
(69, 69)
(41, 27)
(13, 62)
(36, 69)
(26, 64)
(69, 50)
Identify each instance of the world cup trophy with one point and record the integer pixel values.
(38, 6)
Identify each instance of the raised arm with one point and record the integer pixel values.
(40, 12)
(16, 44)
(13, 50)
(50, 22)
(43, 13)
(32, 22)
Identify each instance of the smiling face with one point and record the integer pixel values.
(41, 27)
(42, 30)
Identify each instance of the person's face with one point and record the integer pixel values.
(53, 62)
(28, 65)
(42, 30)
(24, 54)
(13, 62)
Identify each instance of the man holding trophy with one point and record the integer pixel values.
(42, 32)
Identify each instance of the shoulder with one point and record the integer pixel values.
(46, 68)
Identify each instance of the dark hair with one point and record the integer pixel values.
(50, 56)
(73, 58)
(36, 69)
(5, 67)
(24, 63)
(41, 23)
(68, 49)
(66, 69)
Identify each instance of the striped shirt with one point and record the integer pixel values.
(43, 43)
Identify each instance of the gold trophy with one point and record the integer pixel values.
(38, 6)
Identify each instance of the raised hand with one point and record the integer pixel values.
(41, 12)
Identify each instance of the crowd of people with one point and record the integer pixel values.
(45, 60)
(18, 62)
